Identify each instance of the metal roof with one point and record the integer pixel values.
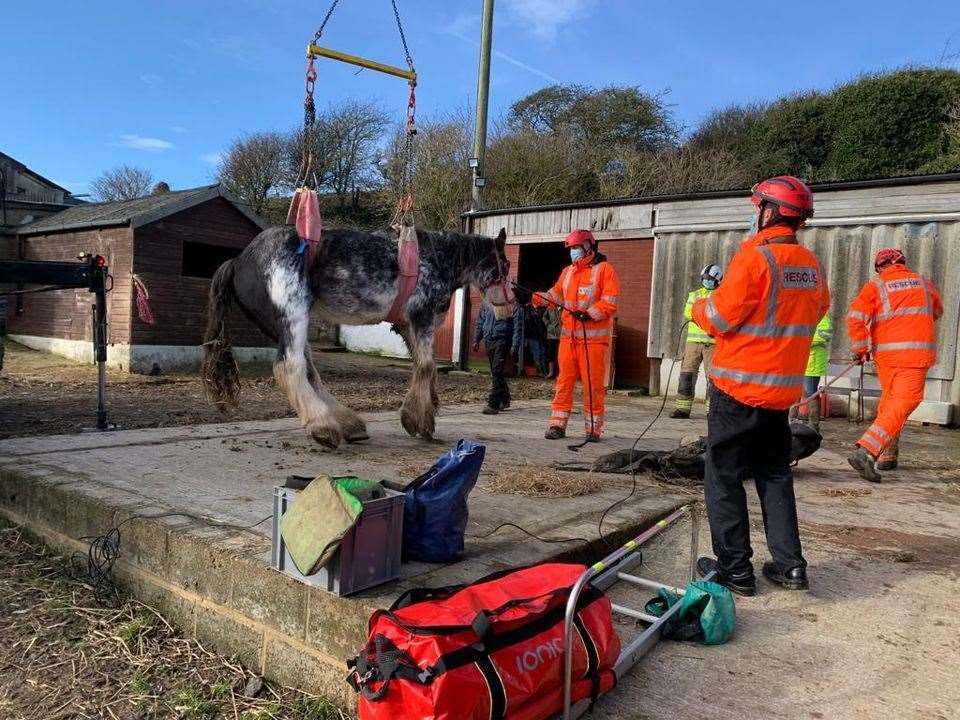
(137, 212)
(905, 180)
(23, 168)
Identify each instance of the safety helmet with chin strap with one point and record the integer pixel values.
(790, 195)
(711, 276)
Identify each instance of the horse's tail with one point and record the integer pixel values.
(221, 376)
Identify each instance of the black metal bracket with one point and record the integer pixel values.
(89, 273)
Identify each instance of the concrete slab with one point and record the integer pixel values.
(202, 552)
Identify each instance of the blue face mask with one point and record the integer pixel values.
(754, 224)
(577, 253)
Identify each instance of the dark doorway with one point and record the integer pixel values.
(201, 260)
(540, 264)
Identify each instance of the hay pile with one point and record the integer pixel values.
(531, 480)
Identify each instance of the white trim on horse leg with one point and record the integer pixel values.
(417, 412)
(290, 298)
(352, 426)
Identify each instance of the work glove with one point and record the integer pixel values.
(860, 356)
(580, 315)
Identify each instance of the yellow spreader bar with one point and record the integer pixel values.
(317, 50)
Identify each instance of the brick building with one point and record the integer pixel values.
(173, 242)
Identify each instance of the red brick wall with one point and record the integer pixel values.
(633, 261)
(179, 302)
(67, 314)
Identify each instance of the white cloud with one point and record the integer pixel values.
(543, 18)
(147, 144)
(212, 158)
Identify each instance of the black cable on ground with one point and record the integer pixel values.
(95, 566)
(500, 527)
(633, 448)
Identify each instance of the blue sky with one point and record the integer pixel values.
(167, 85)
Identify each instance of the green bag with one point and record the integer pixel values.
(707, 613)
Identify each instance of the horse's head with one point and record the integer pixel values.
(491, 275)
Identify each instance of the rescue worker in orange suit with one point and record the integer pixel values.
(587, 291)
(892, 320)
(763, 318)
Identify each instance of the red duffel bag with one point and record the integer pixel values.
(489, 650)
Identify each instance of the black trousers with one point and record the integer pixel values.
(745, 442)
(497, 353)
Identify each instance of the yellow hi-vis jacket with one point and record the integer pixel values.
(695, 333)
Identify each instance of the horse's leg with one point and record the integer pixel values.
(418, 410)
(353, 428)
(434, 397)
(291, 373)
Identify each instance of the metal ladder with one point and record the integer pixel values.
(615, 568)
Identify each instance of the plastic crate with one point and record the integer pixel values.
(369, 553)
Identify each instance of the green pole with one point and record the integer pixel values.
(483, 91)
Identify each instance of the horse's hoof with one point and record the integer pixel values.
(328, 437)
(359, 437)
(354, 429)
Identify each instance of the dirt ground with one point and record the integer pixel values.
(64, 655)
(43, 394)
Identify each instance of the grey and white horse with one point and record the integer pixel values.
(351, 279)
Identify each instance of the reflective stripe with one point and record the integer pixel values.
(770, 319)
(757, 378)
(715, 316)
(568, 273)
(612, 299)
(857, 315)
(866, 439)
(882, 289)
(860, 346)
(879, 431)
(881, 347)
(600, 332)
(900, 312)
(596, 313)
(560, 414)
(779, 330)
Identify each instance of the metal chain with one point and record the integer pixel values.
(326, 19)
(403, 37)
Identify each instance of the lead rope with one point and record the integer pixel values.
(583, 328)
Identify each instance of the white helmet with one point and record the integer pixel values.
(710, 276)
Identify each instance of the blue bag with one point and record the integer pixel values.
(435, 510)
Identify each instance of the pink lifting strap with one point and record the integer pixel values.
(304, 213)
(408, 255)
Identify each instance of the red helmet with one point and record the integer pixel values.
(887, 256)
(791, 196)
(578, 237)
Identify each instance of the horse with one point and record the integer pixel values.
(352, 278)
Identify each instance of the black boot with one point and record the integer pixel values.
(745, 584)
(795, 579)
(863, 462)
(679, 414)
(554, 433)
(490, 410)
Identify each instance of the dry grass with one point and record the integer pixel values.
(63, 656)
(532, 480)
(843, 492)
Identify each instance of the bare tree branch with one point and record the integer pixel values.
(124, 182)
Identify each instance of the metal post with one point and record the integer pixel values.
(483, 92)
(100, 341)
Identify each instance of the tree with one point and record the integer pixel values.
(344, 144)
(124, 182)
(525, 167)
(440, 175)
(674, 170)
(609, 117)
(254, 168)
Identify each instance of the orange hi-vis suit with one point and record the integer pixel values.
(763, 317)
(590, 285)
(893, 318)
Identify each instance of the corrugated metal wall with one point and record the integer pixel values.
(846, 252)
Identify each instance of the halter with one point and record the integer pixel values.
(502, 284)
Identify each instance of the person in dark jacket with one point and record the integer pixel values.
(532, 335)
(499, 337)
